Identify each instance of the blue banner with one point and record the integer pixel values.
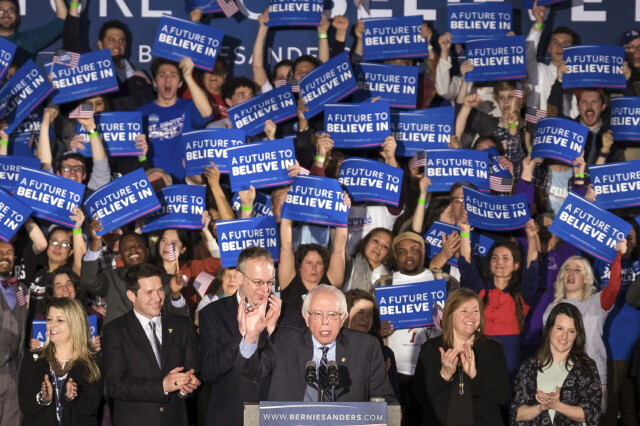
(52, 197)
(261, 164)
(314, 199)
(497, 59)
(178, 38)
(94, 75)
(625, 118)
(261, 204)
(421, 130)
(495, 168)
(39, 328)
(448, 166)
(293, 13)
(238, 234)
(496, 213)
(480, 244)
(410, 305)
(118, 132)
(616, 185)
(397, 84)
(278, 105)
(7, 50)
(594, 66)
(122, 201)
(206, 6)
(472, 21)
(23, 141)
(203, 146)
(589, 228)
(559, 139)
(13, 213)
(389, 38)
(328, 83)
(370, 180)
(182, 207)
(22, 94)
(361, 125)
(278, 413)
(10, 169)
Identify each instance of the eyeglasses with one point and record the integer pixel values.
(11, 11)
(78, 169)
(319, 315)
(632, 48)
(63, 244)
(259, 283)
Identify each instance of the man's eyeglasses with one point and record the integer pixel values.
(63, 244)
(11, 11)
(319, 315)
(78, 169)
(259, 283)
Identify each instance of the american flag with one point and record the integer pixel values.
(295, 84)
(533, 114)
(202, 283)
(500, 184)
(22, 300)
(304, 172)
(66, 58)
(172, 252)
(418, 160)
(82, 111)
(229, 7)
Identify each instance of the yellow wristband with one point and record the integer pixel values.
(513, 126)
(580, 175)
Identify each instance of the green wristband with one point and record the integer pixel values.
(538, 26)
(76, 231)
(580, 175)
(464, 235)
(320, 159)
(247, 208)
(422, 201)
(513, 126)
(142, 159)
(5, 143)
(528, 150)
(94, 133)
(321, 35)
(73, 4)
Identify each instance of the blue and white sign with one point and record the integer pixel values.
(181, 207)
(313, 199)
(10, 169)
(261, 164)
(559, 139)
(118, 132)
(594, 66)
(52, 197)
(448, 166)
(625, 118)
(410, 305)
(421, 130)
(616, 185)
(369, 180)
(480, 244)
(238, 234)
(361, 125)
(23, 141)
(496, 213)
(278, 105)
(7, 50)
(294, 13)
(13, 213)
(261, 204)
(389, 38)
(178, 38)
(94, 75)
(278, 413)
(497, 59)
(396, 84)
(206, 6)
(203, 146)
(495, 168)
(330, 82)
(122, 201)
(589, 228)
(472, 21)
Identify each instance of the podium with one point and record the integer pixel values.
(321, 413)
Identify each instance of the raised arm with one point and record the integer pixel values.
(259, 73)
(44, 143)
(323, 39)
(213, 178)
(287, 264)
(417, 220)
(338, 257)
(197, 94)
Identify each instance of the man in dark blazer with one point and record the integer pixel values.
(361, 368)
(149, 357)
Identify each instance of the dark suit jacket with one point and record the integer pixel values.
(131, 371)
(359, 357)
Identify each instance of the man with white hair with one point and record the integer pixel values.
(361, 368)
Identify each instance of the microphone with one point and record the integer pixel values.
(332, 374)
(310, 373)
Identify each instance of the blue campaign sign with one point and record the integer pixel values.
(261, 164)
(594, 66)
(118, 132)
(7, 49)
(13, 213)
(182, 207)
(361, 125)
(178, 38)
(471, 21)
(238, 234)
(22, 94)
(369, 180)
(396, 84)
(293, 13)
(559, 139)
(94, 75)
(448, 166)
(496, 213)
(617, 185)
(328, 83)
(261, 204)
(23, 141)
(203, 146)
(52, 197)
(313, 199)
(589, 228)
(625, 118)
(480, 244)
(206, 6)
(497, 59)
(420, 130)
(93, 324)
(495, 168)
(388, 38)
(10, 169)
(278, 105)
(410, 305)
(278, 413)
(39, 330)
(122, 201)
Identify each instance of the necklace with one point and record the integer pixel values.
(461, 384)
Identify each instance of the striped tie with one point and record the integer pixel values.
(155, 343)
(322, 374)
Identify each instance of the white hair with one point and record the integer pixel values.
(339, 295)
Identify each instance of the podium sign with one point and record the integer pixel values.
(276, 413)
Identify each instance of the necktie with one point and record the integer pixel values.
(13, 281)
(155, 343)
(322, 373)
